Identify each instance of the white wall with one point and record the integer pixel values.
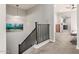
(74, 21)
(42, 14)
(37, 14)
(50, 16)
(15, 38)
(78, 26)
(2, 28)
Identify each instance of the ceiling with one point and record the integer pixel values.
(57, 7)
(64, 7)
(23, 6)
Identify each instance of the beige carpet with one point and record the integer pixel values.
(61, 46)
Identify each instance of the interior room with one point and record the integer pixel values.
(28, 27)
(66, 27)
(39, 29)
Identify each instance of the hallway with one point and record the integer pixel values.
(61, 46)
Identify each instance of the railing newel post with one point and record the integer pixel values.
(36, 25)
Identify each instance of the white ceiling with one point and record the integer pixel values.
(64, 7)
(23, 6)
(57, 7)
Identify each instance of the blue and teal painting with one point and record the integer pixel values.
(14, 27)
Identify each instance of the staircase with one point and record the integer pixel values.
(39, 34)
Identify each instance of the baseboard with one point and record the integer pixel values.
(77, 47)
(52, 40)
(30, 50)
(36, 46)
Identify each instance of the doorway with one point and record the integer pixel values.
(65, 24)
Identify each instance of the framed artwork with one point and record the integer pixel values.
(14, 24)
(14, 27)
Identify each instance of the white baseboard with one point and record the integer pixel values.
(77, 47)
(52, 40)
(36, 47)
(41, 44)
